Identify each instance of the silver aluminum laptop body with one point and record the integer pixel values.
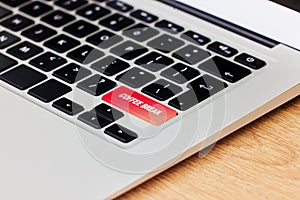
(49, 155)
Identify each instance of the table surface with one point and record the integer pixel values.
(259, 161)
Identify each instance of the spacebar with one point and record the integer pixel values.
(139, 105)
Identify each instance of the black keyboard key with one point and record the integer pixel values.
(135, 77)
(93, 12)
(7, 39)
(121, 134)
(141, 32)
(62, 43)
(96, 85)
(191, 54)
(195, 38)
(116, 22)
(81, 29)
(48, 61)
(144, 16)
(165, 43)
(129, 50)
(24, 50)
(154, 61)
(39, 33)
(70, 4)
(185, 101)
(4, 12)
(16, 22)
(36, 9)
(49, 90)
(119, 5)
(169, 26)
(201, 89)
(58, 18)
(67, 106)
(180, 73)
(22, 77)
(162, 90)
(222, 49)
(104, 39)
(71, 73)
(110, 66)
(93, 120)
(6, 62)
(109, 113)
(206, 86)
(225, 69)
(14, 3)
(250, 61)
(85, 54)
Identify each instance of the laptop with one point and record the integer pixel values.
(99, 96)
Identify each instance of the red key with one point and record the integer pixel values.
(139, 105)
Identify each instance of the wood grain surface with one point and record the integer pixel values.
(259, 161)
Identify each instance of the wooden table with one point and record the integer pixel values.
(260, 161)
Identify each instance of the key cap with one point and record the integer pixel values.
(96, 85)
(206, 86)
(139, 105)
(39, 33)
(120, 6)
(85, 54)
(49, 90)
(110, 66)
(144, 16)
(116, 22)
(71, 73)
(93, 120)
(93, 12)
(195, 38)
(36, 9)
(14, 3)
(24, 50)
(201, 89)
(70, 4)
(67, 106)
(154, 61)
(129, 50)
(7, 39)
(48, 61)
(180, 73)
(62, 43)
(140, 32)
(109, 113)
(225, 69)
(169, 26)
(121, 133)
(191, 54)
(162, 90)
(6, 62)
(250, 61)
(4, 12)
(16, 22)
(165, 43)
(58, 18)
(135, 77)
(222, 49)
(104, 39)
(81, 29)
(22, 77)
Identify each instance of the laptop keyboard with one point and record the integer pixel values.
(175, 69)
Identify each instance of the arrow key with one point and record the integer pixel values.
(121, 133)
(67, 106)
(93, 120)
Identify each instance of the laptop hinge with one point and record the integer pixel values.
(223, 23)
